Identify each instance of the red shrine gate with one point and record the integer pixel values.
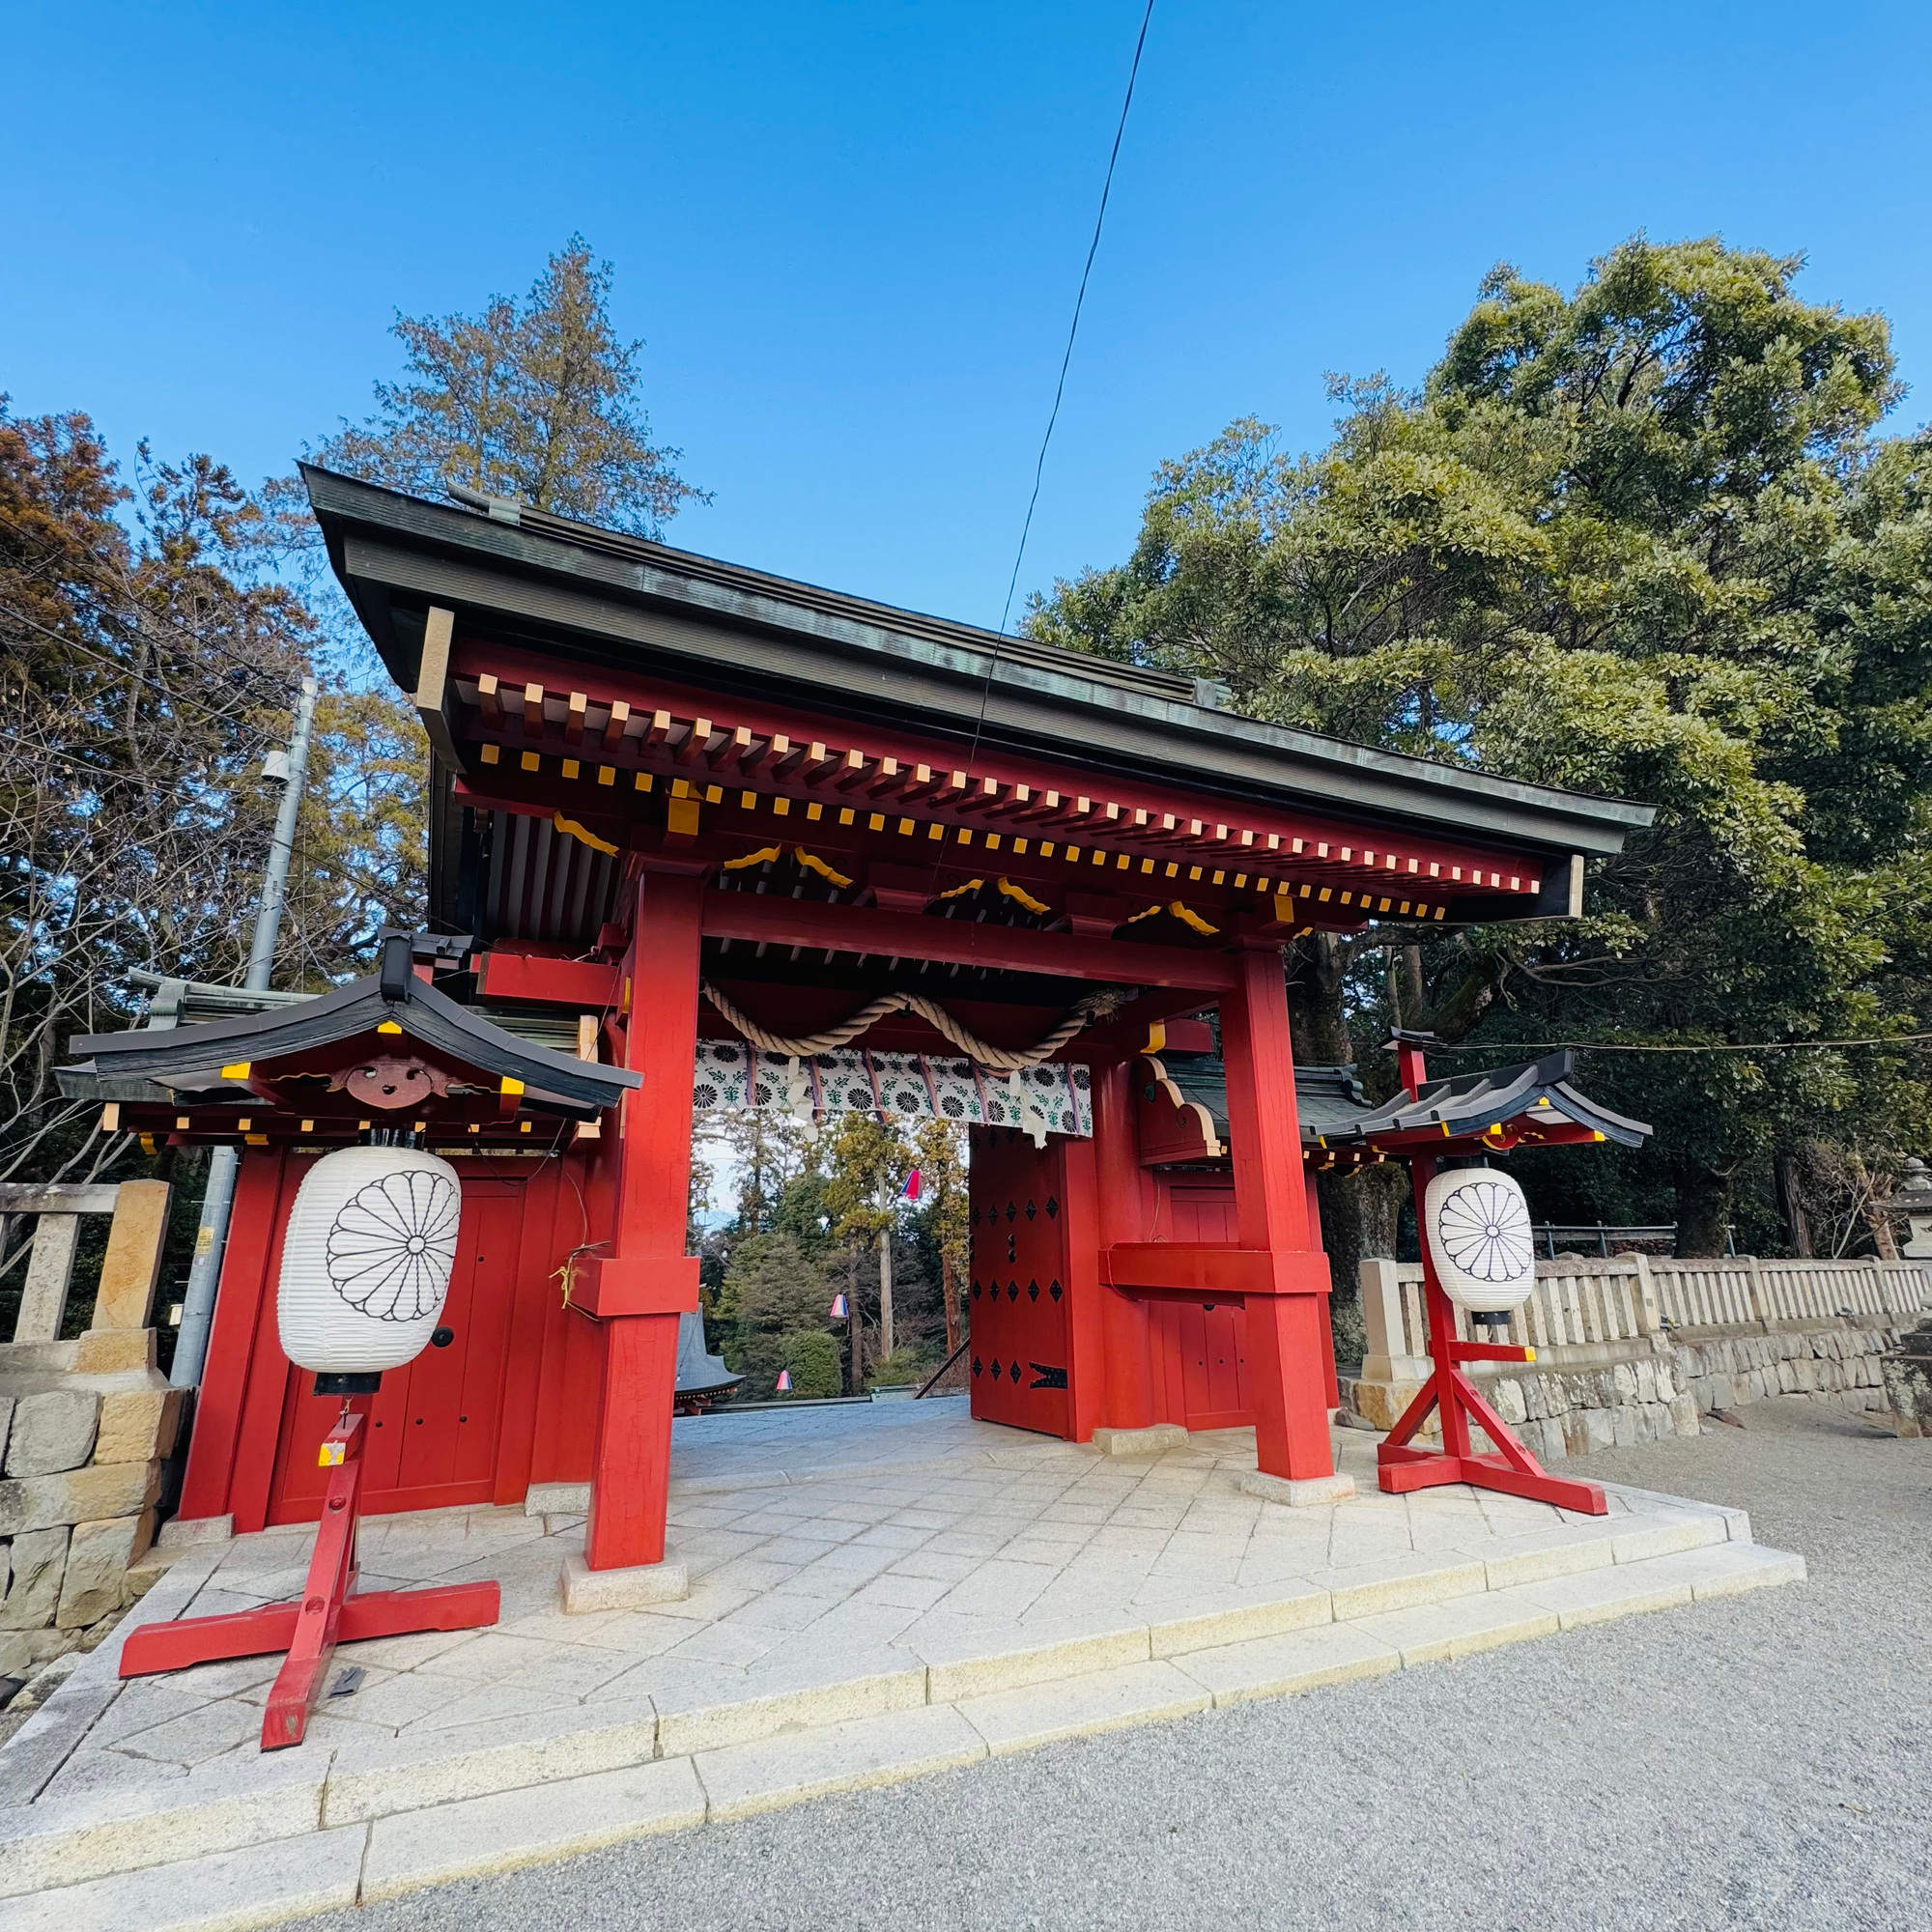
(655, 773)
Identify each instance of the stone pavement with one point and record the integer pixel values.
(877, 1592)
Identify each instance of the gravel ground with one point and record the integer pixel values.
(1765, 1761)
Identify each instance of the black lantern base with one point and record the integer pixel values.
(360, 1384)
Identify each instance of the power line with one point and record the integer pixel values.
(161, 691)
(1060, 391)
(1060, 388)
(141, 616)
(1715, 1046)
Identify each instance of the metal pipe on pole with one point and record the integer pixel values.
(211, 1238)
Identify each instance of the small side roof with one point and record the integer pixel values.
(1335, 1112)
(1470, 1103)
(190, 1057)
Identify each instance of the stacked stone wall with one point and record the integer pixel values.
(80, 1474)
(1661, 1386)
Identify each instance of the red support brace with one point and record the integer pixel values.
(327, 1613)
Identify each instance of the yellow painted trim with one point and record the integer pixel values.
(510, 1083)
(763, 856)
(1020, 896)
(812, 862)
(388, 1026)
(570, 829)
(238, 1071)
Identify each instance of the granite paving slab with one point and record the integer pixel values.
(863, 1582)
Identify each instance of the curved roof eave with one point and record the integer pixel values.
(619, 599)
(193, 1053)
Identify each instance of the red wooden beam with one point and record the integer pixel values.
(837, 929)
(523, 976)
(1219, 1273)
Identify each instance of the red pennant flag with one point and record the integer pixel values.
(784, 1381)
(911, 1188)
(838, 1311)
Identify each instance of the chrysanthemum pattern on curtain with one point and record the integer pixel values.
(732, 1078)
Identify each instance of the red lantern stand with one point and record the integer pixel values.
(1511, 1469)
(328, 1613)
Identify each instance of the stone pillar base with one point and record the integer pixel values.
(558, 1499)
(1152, 1441)
(182, 1532)
(585, 1589)
(1303, 1494)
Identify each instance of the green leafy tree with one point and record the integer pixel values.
(772, 1292)
(941, 1155)
(813, 1357)
(867, 1164)
(1641, 539)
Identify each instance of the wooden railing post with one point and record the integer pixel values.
(1761, 1299)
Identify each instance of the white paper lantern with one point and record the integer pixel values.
(1480, 1238)
(366, 1261)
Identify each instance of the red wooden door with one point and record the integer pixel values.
(435, 1424)
(1016, 1305)
(1201, 1353)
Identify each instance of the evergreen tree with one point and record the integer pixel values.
(1641, 539)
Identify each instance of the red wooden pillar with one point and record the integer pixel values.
(1286, 1360)
(646, 1281)
(1127, 1401)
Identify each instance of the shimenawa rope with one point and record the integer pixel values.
(996, 1058)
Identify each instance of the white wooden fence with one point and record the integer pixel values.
(1583, 1304)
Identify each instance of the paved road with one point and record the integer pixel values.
(1762, 1762)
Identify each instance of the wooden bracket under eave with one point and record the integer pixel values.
(431, 695)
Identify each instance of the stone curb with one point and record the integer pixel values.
(261, 1855)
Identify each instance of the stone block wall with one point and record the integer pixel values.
(80, 1473)
(1631, 1349)
(1837, 1362)
(1653, 1386)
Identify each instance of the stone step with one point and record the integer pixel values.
(224, 1891)
(254, 1844)
(1400, 1608)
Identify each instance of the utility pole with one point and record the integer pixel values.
(211, 1238)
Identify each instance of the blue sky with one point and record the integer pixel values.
(851, 232)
